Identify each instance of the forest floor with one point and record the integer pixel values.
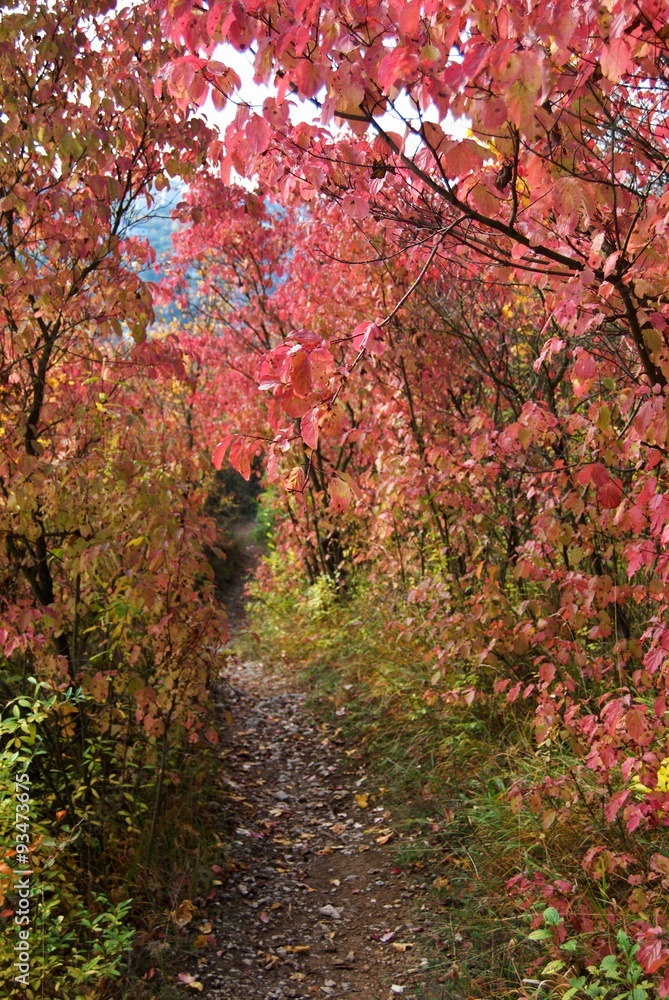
(312, 902)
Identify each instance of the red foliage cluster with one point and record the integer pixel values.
(465, 347)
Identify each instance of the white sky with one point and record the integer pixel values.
(254, 95)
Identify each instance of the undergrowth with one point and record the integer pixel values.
(450, 772)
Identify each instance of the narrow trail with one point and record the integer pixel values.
(312, 902)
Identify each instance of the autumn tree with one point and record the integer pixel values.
(108, 623)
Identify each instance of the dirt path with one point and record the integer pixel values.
(312, 903)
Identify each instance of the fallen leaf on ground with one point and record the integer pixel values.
(191, 981)
(183, 913)
(402, 945)
(384, 838)
(200, 941)
(362, 799)
(264, 916)
(441, 882)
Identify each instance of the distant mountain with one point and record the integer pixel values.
(158, 225)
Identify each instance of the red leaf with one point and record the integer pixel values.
(652, 956)
(300, 374)
(460, 158)
(322, 365)
(610, 494)
(309, 428)
(310, 77)
(635, 723)
(220, 450)
(240, 456)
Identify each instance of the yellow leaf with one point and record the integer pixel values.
(200, 941)
(548, 818)
(384, 838)
(136, 541)
(362, 799)
(524, 435)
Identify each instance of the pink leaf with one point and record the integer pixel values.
(370, 337)
(615, 59)
(257, 134)
(355, 206)
(614, 805)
